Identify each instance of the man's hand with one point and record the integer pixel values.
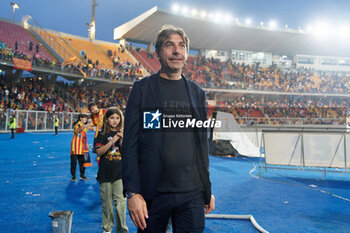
(120, 133)
(211, 206)
(138, 211)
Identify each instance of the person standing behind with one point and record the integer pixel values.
(108, 148)
(13, 124)
(57, 122)
(166, 172)
(79, 146)
(96, 120)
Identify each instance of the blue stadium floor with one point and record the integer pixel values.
(35, 180)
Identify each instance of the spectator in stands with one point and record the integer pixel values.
(161, 188)
(30, 45)
(82, 53)
(79, 146)
(2, 44)
(108, 149)
(109, 53)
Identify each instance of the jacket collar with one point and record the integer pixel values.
(156, 93)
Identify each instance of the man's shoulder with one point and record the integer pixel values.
(193, 85)
(146, 79)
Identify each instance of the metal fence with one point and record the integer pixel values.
(37, 120)
(45, 121)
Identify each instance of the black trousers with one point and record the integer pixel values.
(56, 130)
(12, 133)
(73, 164)
(186, 211)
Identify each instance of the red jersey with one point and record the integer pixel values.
(97, 120)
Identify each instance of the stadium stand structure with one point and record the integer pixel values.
(19, 39)
(150, 61)
(226, 82)
(93, 52)
(71, 55)
(254, 95)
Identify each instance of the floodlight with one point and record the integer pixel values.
(217, 17)
(309, 28)
(203, 14)
(248, 21)
(272, 24)
(344, 31)
(321, 29)
(194, 12)
(14, 6)
(175, 7)
(228, 18)
(184, 10)
(261, 23)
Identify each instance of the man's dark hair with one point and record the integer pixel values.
(166, 32)
(90, 105)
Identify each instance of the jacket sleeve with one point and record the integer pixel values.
(204, 150)
(205, 130)
(130, 146)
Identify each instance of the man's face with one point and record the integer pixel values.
(94, 110)
(173, 53)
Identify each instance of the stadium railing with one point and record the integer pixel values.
(37, 121)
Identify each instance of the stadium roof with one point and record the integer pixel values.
(205, 34)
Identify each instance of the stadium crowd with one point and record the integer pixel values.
(212, 73)
(36, 94)
(28, 94)
(286, 109)
(122, 70)
(209, 73)
(83, 94)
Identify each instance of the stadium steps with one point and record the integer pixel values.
(74, 57)
(104, 51)
(154, 62)
(50, 43)
(77, 54)
(114, 48)
(91, 50)
(11, 31)
(45, 45)
(124, 56)
(144, 70)
(66, 96)
(55, 42)
(145, 63)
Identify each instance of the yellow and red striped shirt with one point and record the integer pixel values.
(79, 143)
(97, 120)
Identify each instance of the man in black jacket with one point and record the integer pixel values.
(165, 168)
